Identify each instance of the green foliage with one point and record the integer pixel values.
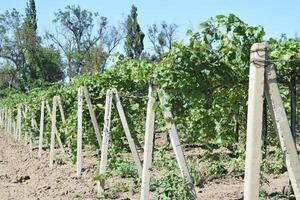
(274, 163)
(125, 169)
(58, 160)
(171, 186)
(134, 44)
(31, 14)
(196, 173)
(206, 83)
(212, 67)
(215, 170)
(114, 191)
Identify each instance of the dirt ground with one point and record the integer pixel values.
(25, 176)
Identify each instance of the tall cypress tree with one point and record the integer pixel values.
(134, 44)
(31, 14)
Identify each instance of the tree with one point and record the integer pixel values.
(7, 73)
(78, 40)
(134, 44)
(162, 37)
(31, 14)
(52, 67)
(31, 65)
(43, 64)
(12, 47)
(30, 26)
(32, 45)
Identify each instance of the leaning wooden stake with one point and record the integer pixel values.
(148, 147)
(42, 123)
(254, 121)
(176, 142)
(131, 142)
(105, 140)
(53, 131)
(92, 115)
(282, 127)
(62, 113)
(79, 130)
(55, 128)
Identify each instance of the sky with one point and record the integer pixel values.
(276, 16)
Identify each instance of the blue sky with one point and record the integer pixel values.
(275, 15)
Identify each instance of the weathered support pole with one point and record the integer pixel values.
(92, 115)
(5, 123)
(19, 122)
(148, 147)
(79, 130)
(5, 120)
(176, 142)
(25, 117)
(53, 131)
(131, 142)
(282, 128)
(105, 139)
(254, 121)
(9, 121)
(16, 129)
(30, 133)
(42, 123)
(1, 118)
(55, 128)
(62, 113)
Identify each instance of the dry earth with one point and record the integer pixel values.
(25, 176)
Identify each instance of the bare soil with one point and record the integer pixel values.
(25, 176)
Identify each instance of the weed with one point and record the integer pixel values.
(114, 191)
(58, 160)
(275, 163)
(215, 169)
(171, 186)
(195, 173)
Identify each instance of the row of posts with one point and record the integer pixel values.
(12, 125)
(262, 82)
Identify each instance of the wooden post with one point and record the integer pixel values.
(41, 127)
(131, 142)
(105, 139)
(16, 129)
(25, 116)
(30, 133)
(148, 147)
(92, 115)
(1, 118)
(5, 120)
(53, 131)
(79, 130)
(254, 121)
(55, 128)
(282, 128)
(8, 121)
(62, 114)
(176, 142)
(19, 122)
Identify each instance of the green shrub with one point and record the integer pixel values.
(171, 187)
